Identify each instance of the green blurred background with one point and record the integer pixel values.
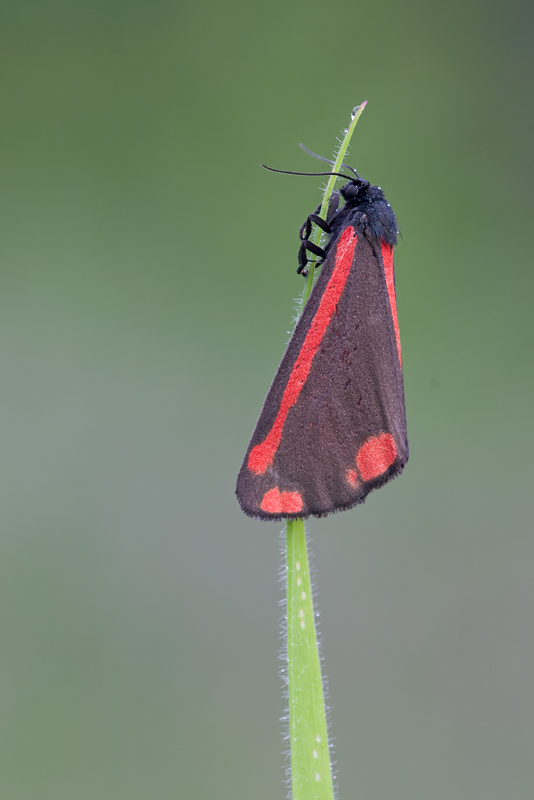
(148, 284)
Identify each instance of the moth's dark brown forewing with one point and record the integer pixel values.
(353, 394)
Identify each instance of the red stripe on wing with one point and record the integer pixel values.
(263, 454)
(387, 257)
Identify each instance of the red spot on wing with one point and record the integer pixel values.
(387, 257)
(376, 455)
(274, 502)
(352, 478)
(262, 455)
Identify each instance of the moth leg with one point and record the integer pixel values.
(305, 232)
(303, 258)
(333, 206)
(306, 245)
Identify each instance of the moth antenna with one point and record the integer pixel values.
(312, 174)
(311, 153)
(328, 160)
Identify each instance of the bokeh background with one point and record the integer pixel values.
(147, 288)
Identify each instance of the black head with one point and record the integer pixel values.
(353, 189)
(368, 210)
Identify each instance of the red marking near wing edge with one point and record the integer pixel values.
(352, 478)
(387, 258)
(262, 455)
(274, 502)
(376, 455)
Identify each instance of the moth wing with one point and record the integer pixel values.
(344, 434)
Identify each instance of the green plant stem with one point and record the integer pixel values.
(311, 773)
(310, 761)
(316, 234)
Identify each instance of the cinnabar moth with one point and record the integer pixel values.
(333, 425)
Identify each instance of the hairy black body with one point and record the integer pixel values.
(365, 208)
